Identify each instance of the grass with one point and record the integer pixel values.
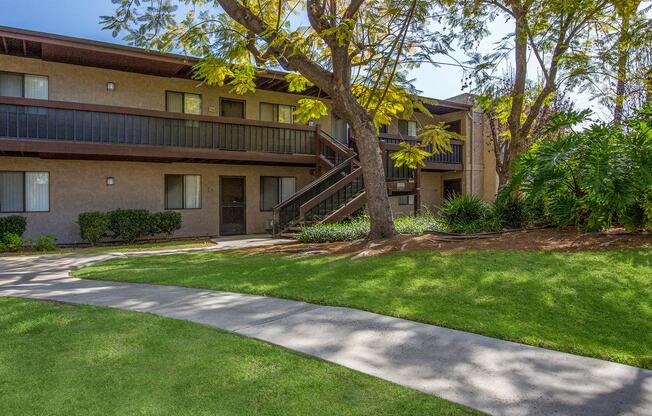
(60, 359)
(110, 248)
(590, 303)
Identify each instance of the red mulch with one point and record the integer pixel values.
(552, 239)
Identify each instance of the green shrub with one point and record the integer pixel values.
(12, 242)
(592, 179)
(511, 210)
(469, 214)
(127, 224)
(130, 224)
(45, 243)
(358, 227)
(13, 224)
(647, 210)
(93, 226)
(418, 224)
(166, 222)
(354, 229)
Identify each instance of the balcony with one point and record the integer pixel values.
(446, 161)
(63, 128)
(74, 130)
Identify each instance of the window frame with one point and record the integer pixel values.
(22, 84)
(183, 102)
(24, 211)
(183, 191)
(244, 107)
(292, 108)
(278, 190)
(416, 127)
(408, 203)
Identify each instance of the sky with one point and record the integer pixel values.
(80, 18)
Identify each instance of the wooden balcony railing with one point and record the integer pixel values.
(235, 139)
(95, 124)
(453, 158)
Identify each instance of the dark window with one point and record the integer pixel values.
(275, 189)
(406, 200)
(454, 126)
(232, 108)
(183, 102)
(384, 128)
(23, 85)
(24, 191)
(407, 127)
(452, 187)
(277, 113)
(182, 191)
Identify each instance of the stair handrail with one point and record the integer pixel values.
(314, 201)
(345, 151)
(314, 183)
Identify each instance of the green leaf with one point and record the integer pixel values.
(310, 109)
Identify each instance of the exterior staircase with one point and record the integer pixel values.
(339, 190)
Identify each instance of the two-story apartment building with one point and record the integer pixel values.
(88, 126)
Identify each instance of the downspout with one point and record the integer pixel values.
(469, 114)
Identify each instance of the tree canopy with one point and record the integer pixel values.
(358, 53)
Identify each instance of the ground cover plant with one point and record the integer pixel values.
(591, 303)
(358, 227)
(80, 360)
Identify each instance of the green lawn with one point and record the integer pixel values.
(122, 248)
(59, 359)
(591, 303)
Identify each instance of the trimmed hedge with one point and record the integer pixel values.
(130, 224)
(166, 222)
(93, 226)
(127, 224)
(13, 224)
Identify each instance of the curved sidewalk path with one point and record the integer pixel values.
(494, 376)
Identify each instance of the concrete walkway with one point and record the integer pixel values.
(494, 376)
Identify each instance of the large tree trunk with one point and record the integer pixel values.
(373, 172)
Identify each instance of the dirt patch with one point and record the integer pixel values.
(552, 239)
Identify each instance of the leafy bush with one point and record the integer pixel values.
(130, 224)
(13, 224)
(166, 222)
(358, 227)
(12, 242)
(93, 226)
(45, 243)
(127, 224)
(647, 210)
(591, 179)
(354, 229)
(419, 224)
(468, 214)
(511, 209)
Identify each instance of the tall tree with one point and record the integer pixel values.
(495, 101)
(357, 52)
(553, 33)
(622, 73)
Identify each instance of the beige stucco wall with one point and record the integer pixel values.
(88, 85)
(78, 186)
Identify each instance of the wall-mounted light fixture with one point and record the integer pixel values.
(110, 181)
(110, 86)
